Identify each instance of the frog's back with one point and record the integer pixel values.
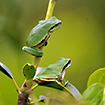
(39, 32)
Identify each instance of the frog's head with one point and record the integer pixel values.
(55, 24)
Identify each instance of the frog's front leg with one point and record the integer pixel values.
(33, 51)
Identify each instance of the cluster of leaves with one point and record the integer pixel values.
(95, 92)
(49, 76)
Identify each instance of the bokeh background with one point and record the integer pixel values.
(80, 38)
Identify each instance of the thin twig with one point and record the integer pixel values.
(48, 15)
(25, 92)
(50, 9)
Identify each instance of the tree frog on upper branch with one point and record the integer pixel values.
(39, 35)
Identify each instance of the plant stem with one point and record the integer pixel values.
(50, 9)
(34, 87)
(24, 94)
(48, 15)
(36, 62)
(17, 88)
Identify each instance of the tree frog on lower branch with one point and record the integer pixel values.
(53, 72)
(40, 34)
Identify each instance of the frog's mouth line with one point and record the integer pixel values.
(66, 65)
(43, 41)
(61, 75)
(55, 26)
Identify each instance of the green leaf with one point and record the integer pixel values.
(68, 88)
(28, 71)
(93, 95)
(103, 101)
(97, 77)
(5, 70)
(73, 91)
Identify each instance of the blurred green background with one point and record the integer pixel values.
(80, 38)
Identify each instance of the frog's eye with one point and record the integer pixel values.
(53, 28)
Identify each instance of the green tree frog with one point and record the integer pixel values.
(39, 35)
(53, 72)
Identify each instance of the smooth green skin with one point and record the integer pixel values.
(50, 76)
(28, 71)
(33, 51)
(54, 71)
(40, 34)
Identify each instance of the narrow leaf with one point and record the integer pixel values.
(73, 91)
(5, 70)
